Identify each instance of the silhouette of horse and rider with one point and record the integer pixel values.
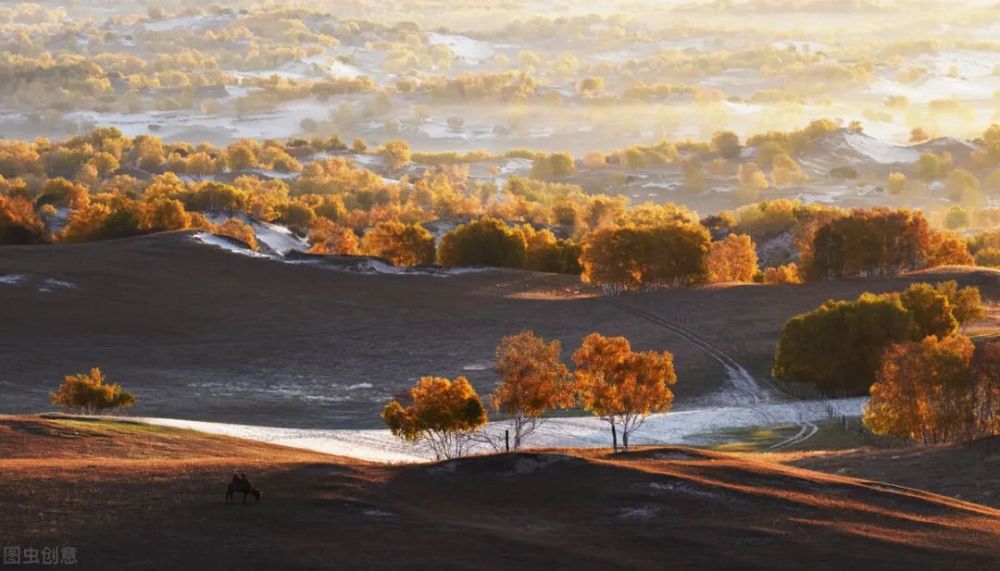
(241, 484)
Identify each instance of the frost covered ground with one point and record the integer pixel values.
(681, 427)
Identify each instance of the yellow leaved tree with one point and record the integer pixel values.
(732, 259)
(532, 382)
(622, 386)
(440, 412)
(90, 393)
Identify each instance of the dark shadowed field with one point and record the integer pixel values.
(201, 333)
(139, 497)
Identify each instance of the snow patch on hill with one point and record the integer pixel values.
(681, 427)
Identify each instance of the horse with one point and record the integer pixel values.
(241, 484)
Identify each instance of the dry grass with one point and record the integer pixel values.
(652, 508)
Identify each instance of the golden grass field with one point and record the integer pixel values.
(131, 496)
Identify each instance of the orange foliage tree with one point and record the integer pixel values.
(786, 274)
(936, 390)
(632, 258)
(90, 393)
(622, 386)
(401, 244)
(19, 224)
(532, 381)
(732, 259)
(327, 237)
(239, 230)
(442, 413)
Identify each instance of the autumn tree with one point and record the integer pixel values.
(752, 181)
(930, 311)
(19, 223)
(732, 259)
(870, 243)
(838, 346)
(396, 153)
(484, 242)
(936, 390)
(632, 258)
(787, 274)
(553, 166)
(238, 230)
(442, 413)
(401, 244)
(327, 237)
(546, 253)
(895, 183)
(785, 171)
(90, 393)
(966, 303)
(163, 214)
(726, 144)
(963, 188)
(621, 386)
(532, 381)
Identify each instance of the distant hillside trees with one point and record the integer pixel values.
(91, 393)
(937, 390)
(838, 347)
(879, 242)
(489, 241)
(327, 237)
(621, 386)
(396, 153)
(732, 259)
(401, 244)
(19, 223)
(484, 242)
(787, 274)
(553, 166)
(633, 258)
(533, 381)
(441, 413)
(239, 230)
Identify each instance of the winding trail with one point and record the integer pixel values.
(745, 386)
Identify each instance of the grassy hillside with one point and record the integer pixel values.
(198, 332)
(131, 495)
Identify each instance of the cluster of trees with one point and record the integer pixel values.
(880, 242)
(91, 393)
(104, 185)
(938, 389)
(839, 346)
(613, 382)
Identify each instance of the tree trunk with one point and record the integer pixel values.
(614, 437)
(506, 435)
(625, 439)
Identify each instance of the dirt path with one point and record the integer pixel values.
(746, 389)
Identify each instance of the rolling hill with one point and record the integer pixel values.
(135, 496)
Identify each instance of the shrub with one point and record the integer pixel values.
(90, 393)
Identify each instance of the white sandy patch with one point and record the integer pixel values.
(50, 284)
(11, 279)
(879, 151)
(683, 427)
(226, 244)
(464, 47)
